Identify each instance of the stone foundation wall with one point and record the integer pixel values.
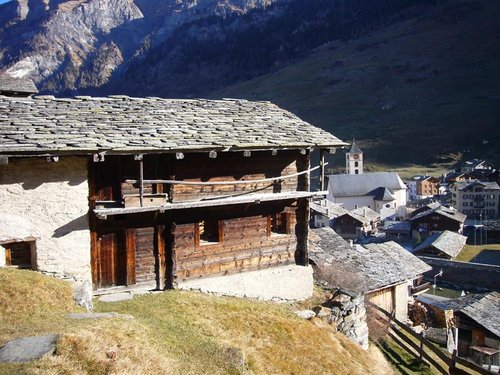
(48, 202)
(285, 283)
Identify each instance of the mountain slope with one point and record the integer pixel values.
(421, 91)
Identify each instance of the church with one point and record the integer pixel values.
(383, 192)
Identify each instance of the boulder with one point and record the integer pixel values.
(26, 349)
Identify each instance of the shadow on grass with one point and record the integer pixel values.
(405, 363)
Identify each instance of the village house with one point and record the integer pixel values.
(388, 274)
(476, 199)
(118, 192)
(324, 212)
(435, 218)
(445, 245)
(383, 192)
(356, 223)
(422, 187)
(474, 323)
(17, 87)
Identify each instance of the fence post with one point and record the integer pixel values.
(421, 350)
(453, 362)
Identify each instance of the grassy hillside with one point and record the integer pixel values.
(422, 92)
(173, 333)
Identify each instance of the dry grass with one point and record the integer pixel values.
(469, 252)
(270, 337)
(34, 304)
(174, 333)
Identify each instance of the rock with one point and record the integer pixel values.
(116, 297)
(82, 294)
(26, 349)
(322, 312)
(305, 314)
(80, 316)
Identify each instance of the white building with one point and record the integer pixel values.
(383, 192)
(354, 160)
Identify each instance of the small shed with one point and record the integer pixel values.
(436, 219)
(386, 271)
(358, 222)
(445, 244)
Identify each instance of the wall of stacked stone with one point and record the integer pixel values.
(348, 314)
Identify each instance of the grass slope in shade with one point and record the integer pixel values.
(419, 92)
(173, 333)
(469, 252)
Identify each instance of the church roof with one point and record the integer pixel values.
(345, 185)
(354, 148)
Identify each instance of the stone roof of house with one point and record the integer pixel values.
(449, 243)
(22, 85)
(366, 212)
(444, 211)
(354, 148)
(397, 226)
(379, 265)
(124, 124)
(456, 304)
(465, 185)
(485, 311)
(345, 185)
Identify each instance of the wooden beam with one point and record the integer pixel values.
(141, 181)
(216, 201)
(322, 169)
(130, 250)
(161, 265)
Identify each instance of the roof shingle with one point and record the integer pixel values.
(123, 124)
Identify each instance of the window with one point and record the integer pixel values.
(356, 171)
(208, 231)
(387, 205)
(18, 254)
(278, 223)
(466, 204)
(356, 164)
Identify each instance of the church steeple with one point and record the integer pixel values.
(354, 159)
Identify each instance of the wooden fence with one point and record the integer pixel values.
(419, 347)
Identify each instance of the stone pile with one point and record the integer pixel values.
(348, 314)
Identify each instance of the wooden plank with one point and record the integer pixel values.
(130, 251)
(8, 257)
(472, 366)
(160, 259)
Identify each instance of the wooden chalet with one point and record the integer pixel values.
(436, 218)
(149, 191)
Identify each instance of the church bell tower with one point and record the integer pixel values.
(354, 160)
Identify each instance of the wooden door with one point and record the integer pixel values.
(111, 260)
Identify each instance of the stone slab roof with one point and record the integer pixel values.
(366, 213)
(468, 185)
(123, 124)
(486, 312)
(449, 243)
(21, 85)
(379, 265)
(345, 185)
(444, 211)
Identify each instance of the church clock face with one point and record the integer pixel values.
(355, 156)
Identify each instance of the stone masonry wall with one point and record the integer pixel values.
(348, 313)
(48, 202)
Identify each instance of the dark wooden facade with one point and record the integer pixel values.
(434, 222)
(167, 246)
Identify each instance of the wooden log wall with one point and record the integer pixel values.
(145, 255)
(234, 166)
(246, 245)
